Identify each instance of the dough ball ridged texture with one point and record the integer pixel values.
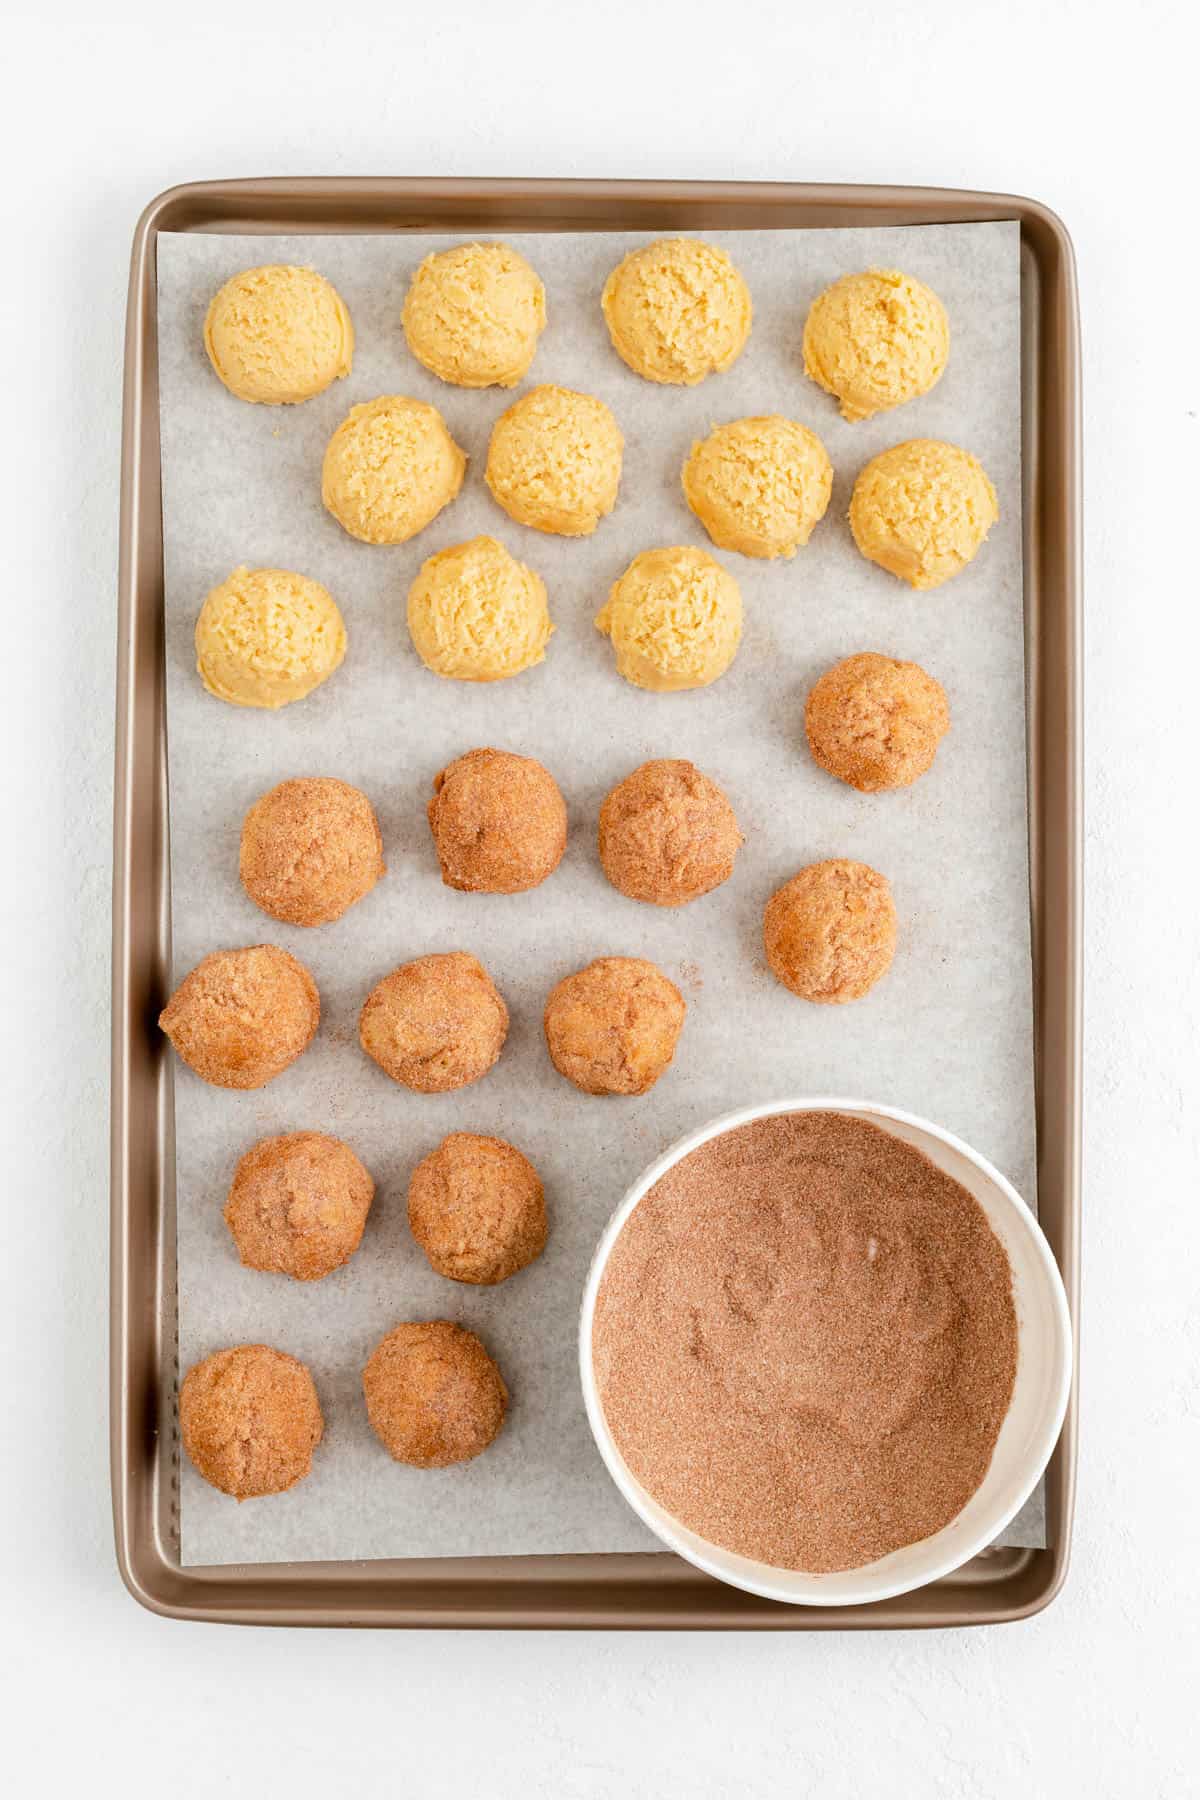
(476, 1208)
(267, 637)
(875, 722)
(476, 614)
(298, 1205)
(875, 340)
(499, 823)
(436, 1023)
(677, 310)
(434, 1396)
(830, 932)
(390, 468)
(612, 1028)
(674, 618)
(759, 485)
(921, 511)
(278, 335)
(668, 834)
(250, 1420)
(310, 850)
(243, 1016)
(473, 315)
(554, 461)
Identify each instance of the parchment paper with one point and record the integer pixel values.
(947, 1034)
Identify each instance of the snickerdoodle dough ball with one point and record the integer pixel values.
(310, 849)
(250, 1420)
(759, 485)
(674, 618)
(390, 468)
(266, 637)
(830, 932)
(668, 834)
(612, 1028)
(875, 722)
(435, 1023)
(298, 1205)
(499, 822)
(921, 511)
(473, 315)
(554, 461)
(875, 340)
(434, 1396)
(477, 614)
(278, 335)
(677, 310)
(243, 1016)
(477, 1209)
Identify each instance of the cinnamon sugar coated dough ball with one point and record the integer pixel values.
(278, 335)
(476, 614)
(677, 310)
(243, 1016)
(435, 1023)
(674, 618)
(759, 485)
(473, 315)
(250, 1420)
(266, 637)
(390, 468)
(310, 849)
(554, 461)
(476, 1207)
(668, 834)
(434, 1396)
(612, 1028)
(876, 723)
(875, 340)
(499, 823)
(830, 932)
(922, 510)
(298, 1205)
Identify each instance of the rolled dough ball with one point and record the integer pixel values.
(310, 850)
(876, 723)
(759, 485)
(435, 1023)
(278, 335)
(875, 340)
(266, 637)
(612, 1028)
(477, 1209)
(243, 1016)
(554, 461)
(499, 823)
(298, 1205)
(434, 1396)
(674, 618)
(476, 614)
(668, 834)
(677, 310)
(390, 468)
(921, 511)
(250, 1420)
(830, 932)
(473, 315)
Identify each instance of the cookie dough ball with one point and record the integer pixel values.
(243, 1016)
(675, 619)
(250, 1420)
(612, 1028)
(390, 468)
(677, 311)
(921, 511)
(830, 932)
(310, 849)
(473, 315)
(554, 461)
(759, 485)
(668, 834)
(476, 614)
(278, 335)
(499, 823)
(267, 637)
(876, 723)
(298, 1205)
(435, 1023)
(434, 1396)
(477, 1209)
(875, 340)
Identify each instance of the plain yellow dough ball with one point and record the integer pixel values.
(875, 340)
(390, 468)
(554, 461)
(476, 614)
(921, 510)
(473, 315)
(759, 485)
(278, 335)
(266, 637)
(675, 619)
(677, 310)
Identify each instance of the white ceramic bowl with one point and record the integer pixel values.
(1027, 1436)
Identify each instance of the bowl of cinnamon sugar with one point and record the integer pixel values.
(825, 1350)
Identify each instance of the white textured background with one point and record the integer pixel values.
(1088, 106)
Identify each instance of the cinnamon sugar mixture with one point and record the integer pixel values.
(805, 1342)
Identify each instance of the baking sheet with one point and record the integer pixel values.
(947, 1034)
